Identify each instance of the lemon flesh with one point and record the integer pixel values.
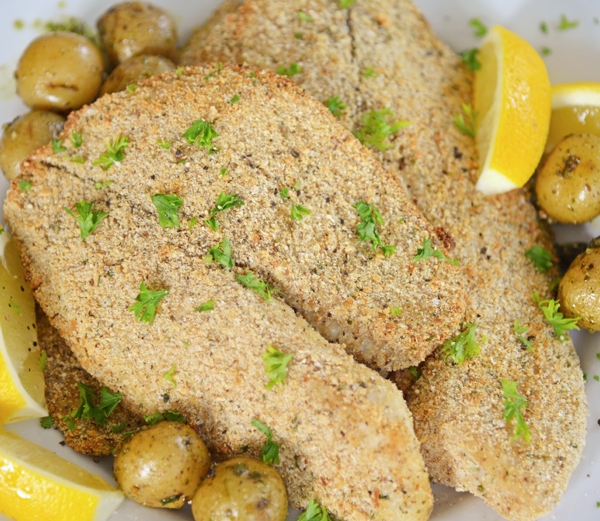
(575, 110)
(512, 102)
(36, 484)
(21, 377)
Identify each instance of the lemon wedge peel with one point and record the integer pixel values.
(513, 102)
(576, 94)
(36, 484)
(21, 377)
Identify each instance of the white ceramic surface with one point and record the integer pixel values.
(575, 56)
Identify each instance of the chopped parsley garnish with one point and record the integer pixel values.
(513, 405)
(223, 172)
(335, 106)
(57, 146)
(235, 99)
(147, 301)
(167, 207)
(466, 126)
(541, 258)
(207, 306)
(87, 219)
(251, 281)
(292, 71)
(428, 251)
(89, 411)
(314, 512)
(43, 360)
(219, 69)
(544, 27)
(370, 72)
(414, 371)
(284, 193)
(546, 51)
(276, 366)
(224, 202)
(164, 144)
(117, 429)
(222, 253)
(554, 317)
(367, 228)
(463, 346)
(25, 185)
(47, 422)
(14, 306)
(170, 416)
(344, 4)
(114, 153)
(169, 376)
(565, 23)
(102, 184)
(520, 330)
(171, 499)
(395, 311)
(179, 71)
(201, 133)
(479, 29)
(298, 212)
(304, 17)
(469, 58)
(270, 450)
(77, 159)
(132, 86)
(376, 129)
(76, 139)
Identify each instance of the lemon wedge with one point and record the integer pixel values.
(21, 378)
(512, 103)
(575, 110)
(36, 484)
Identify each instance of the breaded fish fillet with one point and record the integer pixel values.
(382, 55)
(345, 433)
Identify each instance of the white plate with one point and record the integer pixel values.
(575, 56)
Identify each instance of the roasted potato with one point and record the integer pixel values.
(60, 71)
(568, 183)
(134, 28)
(244, 489)
(162, 465)
(579, 289)
(24, 135)
(135, 69)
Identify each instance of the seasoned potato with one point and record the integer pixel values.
(134, 28)
(162, 465)
(579, 290)
(135, 69)
(568, 184)
(243, 489)
(60, 71)
(26, 134)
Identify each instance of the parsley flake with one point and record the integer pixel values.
(167, 207)
(207, 306)
(132, 86)
(251, 281)
(77, 159)
(298, 212)
(193, 222)
(169, 376)
(171, 416)
(43, 360)
(219, 69)
(292, 71)
(546, 51)
(47, 422)
(224, 202)
(276, 366)
(466, 126)
(304, 17)
(375, 129)
(344, 4)
(223, 172)
(541, 258)
(554, 317)
(201, 133)
(370, 72)
(395, 310)
(367, 230)
(463, 346)
(235, 99)
(469, 58)
(114, 153)
(414, 371)
(89, 411)
(147, 301)
(102, 184)
(25, 185)
(164, 144)
(479, 29)
(57, 146)
(513, 405)
(566, 24)
(520, 330)
(87, 219)
(179, 71)
(270, 450)
(76, 139)
(283, 193)
(428, 251)
(222, 253)
(314, 512)
(335, 106)
(544, 27)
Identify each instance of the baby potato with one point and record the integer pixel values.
(134, 69)
(59, 71)
(133, 28)
(24, 135)
(243, 489)
(162, 465)
(568, 184)
(579, 289)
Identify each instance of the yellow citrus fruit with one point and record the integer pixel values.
(21, 377)
(36, 484)
(512, 103)
(575, 110)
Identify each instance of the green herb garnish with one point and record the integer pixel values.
(314, 512)
(47, 422)
(367, 228)
(147, 301)
(283, 193)
(375, 129)
(207, 306)
(520, 330)
(469, 58)
(541, 258)
(43, 360)
(546, 51)
(566, 24)
(554, 317)
(298, 212)
(114, 153)
(276, 366)
(428, 251)
(370, 72)
(344, 4)
(513, 405)
(167, 207)
(87, 219)
(102, 184)
(304, 17)
(223, 172)
(415, 372)
(463, 346)
(164, 144)
(76, 139)
(395, 311)
(251, 281)
(479, 29)
(222, 253)
(466, 126)
(224, 202)
(292, 71)
(89, 411)
(335, 106)
(235, 99)
(218, 69)
(25, 185)
(270, 450)
(57, 146)
(201, 133)
(169, 376)
(544, 27)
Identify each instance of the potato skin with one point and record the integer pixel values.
(162, 466)
(243, 489)
(579, 289)
(568, 184)
(135, 69)
(24, 135)
(60, 71)
(133, 28)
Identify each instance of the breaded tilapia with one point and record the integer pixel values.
(382, 55)
(345, 432)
